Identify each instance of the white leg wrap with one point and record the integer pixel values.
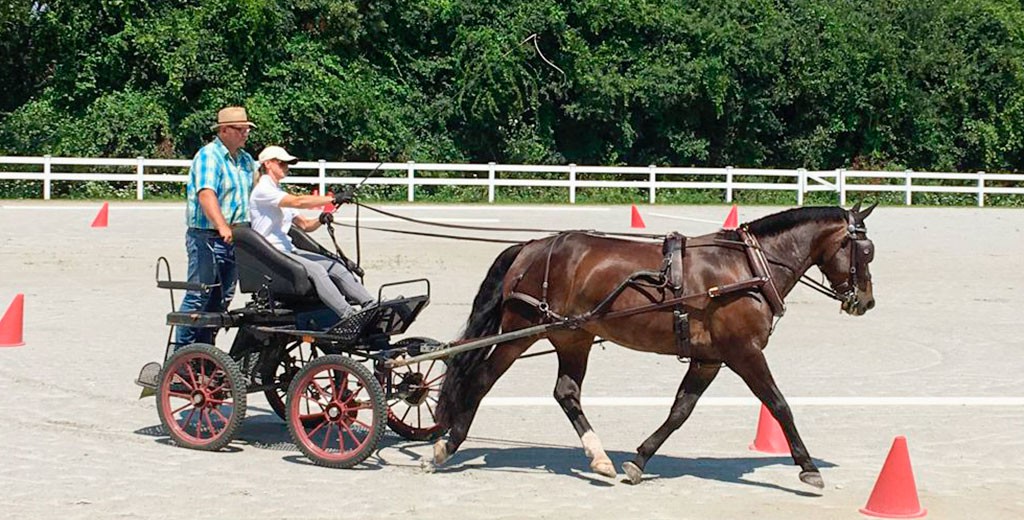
(592, 445)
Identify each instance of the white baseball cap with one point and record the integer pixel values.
(276, 152)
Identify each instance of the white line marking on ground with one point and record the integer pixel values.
(751, 401)
(662, 215)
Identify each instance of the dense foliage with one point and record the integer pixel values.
(922, 84)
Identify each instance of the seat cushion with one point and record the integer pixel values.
(258, 260)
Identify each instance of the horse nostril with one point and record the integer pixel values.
(871, 305)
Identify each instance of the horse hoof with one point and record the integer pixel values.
(812, 478)
(633, 472)
(604, 467)
(427, 466)
(440, 452)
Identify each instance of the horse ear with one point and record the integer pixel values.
(864, 214)
(856, 208)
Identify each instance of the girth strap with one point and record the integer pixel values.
(673, 249)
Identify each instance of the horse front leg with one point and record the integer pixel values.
(696, 380)
(572, 368)
(753, 369)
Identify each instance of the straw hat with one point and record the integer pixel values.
(231, 116)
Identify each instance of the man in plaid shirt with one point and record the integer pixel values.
(219, 182)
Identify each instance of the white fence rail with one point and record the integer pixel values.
(651, 178)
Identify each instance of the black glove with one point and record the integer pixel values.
(326, 218)
(347, 196)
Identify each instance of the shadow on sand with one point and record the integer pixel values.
(268, 432)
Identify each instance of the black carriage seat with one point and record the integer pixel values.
(257, 260)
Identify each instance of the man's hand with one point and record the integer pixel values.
(326, 218)
(347, 196)
(225, 233)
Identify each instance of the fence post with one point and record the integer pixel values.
(490, 181)
(981, 189)
(841, 179)
(653, 178)
(140, 169)
(322, 174)
(412, 174)
(728, 183)
(46, 177)
(572, 183)
(908, 184)
(801, 187)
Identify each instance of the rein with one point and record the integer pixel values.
(483, 228)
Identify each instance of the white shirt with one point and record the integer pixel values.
(267, 217)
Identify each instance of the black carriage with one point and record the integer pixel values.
(334, 385)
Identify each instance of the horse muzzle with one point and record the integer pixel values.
(857, 302)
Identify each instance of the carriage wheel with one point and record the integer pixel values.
(412, 393)
(336, 411)
(291, 359)
(201, 397)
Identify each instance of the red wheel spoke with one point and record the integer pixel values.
(320, 389)
(406, 414)
(225, 419)
(214, 431)
(191, 375)
(352, 397)
(186, 405)
(431, 382)
(188, 420)
(180, 396)
(318, 403)
(334, 385)
(312, 433)
(361, 423)
(327, 437)
(430, 409)
(361, 405)
(352, 434)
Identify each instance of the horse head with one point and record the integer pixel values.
(845, 265)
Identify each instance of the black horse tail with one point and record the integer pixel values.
(484, 320)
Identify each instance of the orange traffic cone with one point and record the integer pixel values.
(895, 493)
(732, 221)
(11, 324)
(101, 217)
(770, 438)
(329, 207)
(637, 222)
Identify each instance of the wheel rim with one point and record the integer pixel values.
(198, 397)
(333, 417)
(412, 402)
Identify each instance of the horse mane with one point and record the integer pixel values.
(783, 221)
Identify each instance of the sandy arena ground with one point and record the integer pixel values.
(76, 442)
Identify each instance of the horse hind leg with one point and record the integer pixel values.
(697, 379)
(494, 367)
(572, 368)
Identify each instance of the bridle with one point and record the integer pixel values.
(861, 251)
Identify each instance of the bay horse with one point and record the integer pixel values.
(578, 278)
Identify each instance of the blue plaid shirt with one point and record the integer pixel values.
(230, 180)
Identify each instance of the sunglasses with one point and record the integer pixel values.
(241, 129)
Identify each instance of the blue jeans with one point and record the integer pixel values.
(210, 260)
